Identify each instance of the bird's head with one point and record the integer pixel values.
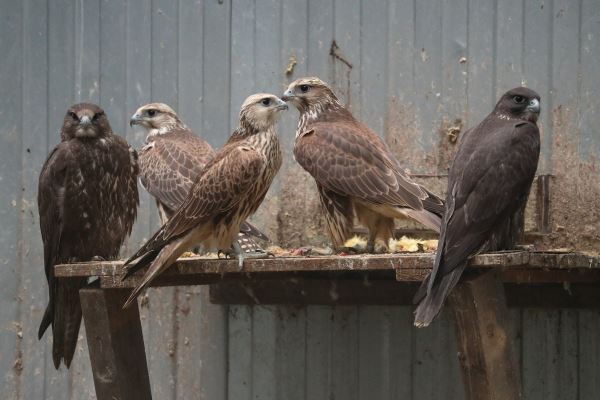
(519, 103)
(261, 111)
(309, 93)
(85, 120)
(156, 118)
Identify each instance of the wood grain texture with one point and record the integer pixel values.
(486, 350)
(116, 345)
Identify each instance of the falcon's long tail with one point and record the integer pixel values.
(64, 314)
(430, 303)
(425, 217)
(160, 262)
(250, 230)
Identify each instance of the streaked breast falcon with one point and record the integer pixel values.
(230, 188)
(355, 171)
(171, 160)
(87, 199)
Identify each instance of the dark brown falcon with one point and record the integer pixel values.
(172, 159)
(355, 171)
(230, 188)
(87, 199)
(488, 185)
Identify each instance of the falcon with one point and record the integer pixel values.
(171, 160)
(488, 186)
(87, 199)
(230, 188)
(355, 171)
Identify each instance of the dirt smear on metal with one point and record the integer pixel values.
(574, 190)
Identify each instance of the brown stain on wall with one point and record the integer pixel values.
(574, 189)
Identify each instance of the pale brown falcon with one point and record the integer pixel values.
(87, 199)
(171, 160)
(488, 186)
(231, 188)
(355, 171)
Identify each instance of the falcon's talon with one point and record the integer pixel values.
(98, 258)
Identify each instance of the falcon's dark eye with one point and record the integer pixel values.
(304, 88)
(97, 115)
(266, 102)
(73, 115)
(519, 99)
(151, 113)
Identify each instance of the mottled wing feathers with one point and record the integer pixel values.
(349, 159)
(232, 172)
(489, 180)
(170, 163)
(87, 199)
(488, 183)
(51, 207)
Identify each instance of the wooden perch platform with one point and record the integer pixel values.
(516, 266)
(478, 305)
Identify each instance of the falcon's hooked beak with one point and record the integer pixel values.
(288, 95)
(136, 119)
(534, 106)
(281, 105)
(85, 121)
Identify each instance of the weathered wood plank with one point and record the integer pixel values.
(345, 292)
(519, 266)
(116, 345)
(299, 291)
(489, 366)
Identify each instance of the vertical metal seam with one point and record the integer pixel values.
(468, 64)
(494, 93)
(549, 129)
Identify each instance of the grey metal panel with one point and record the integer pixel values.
(537, 65)
(239, 339)
(11, 127)
(290, 350)
(344, 336)
(33, 154)
(435, 366)
(589, 354)
(318, 362)
(589, 57)
(408, 81)
(217, 55)
(550, 355)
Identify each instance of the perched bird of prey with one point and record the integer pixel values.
(488, 185)
(230, 188)
(172, 159)
(87, 199)
(355, 171)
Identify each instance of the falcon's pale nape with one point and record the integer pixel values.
(488, 186)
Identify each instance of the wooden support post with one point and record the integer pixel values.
(489, 367)
(115, 344)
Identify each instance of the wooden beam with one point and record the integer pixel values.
(298, 291)
(489, 366)
(115, 345)
(301, 291)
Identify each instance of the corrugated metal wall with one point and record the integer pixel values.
(412, 70)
